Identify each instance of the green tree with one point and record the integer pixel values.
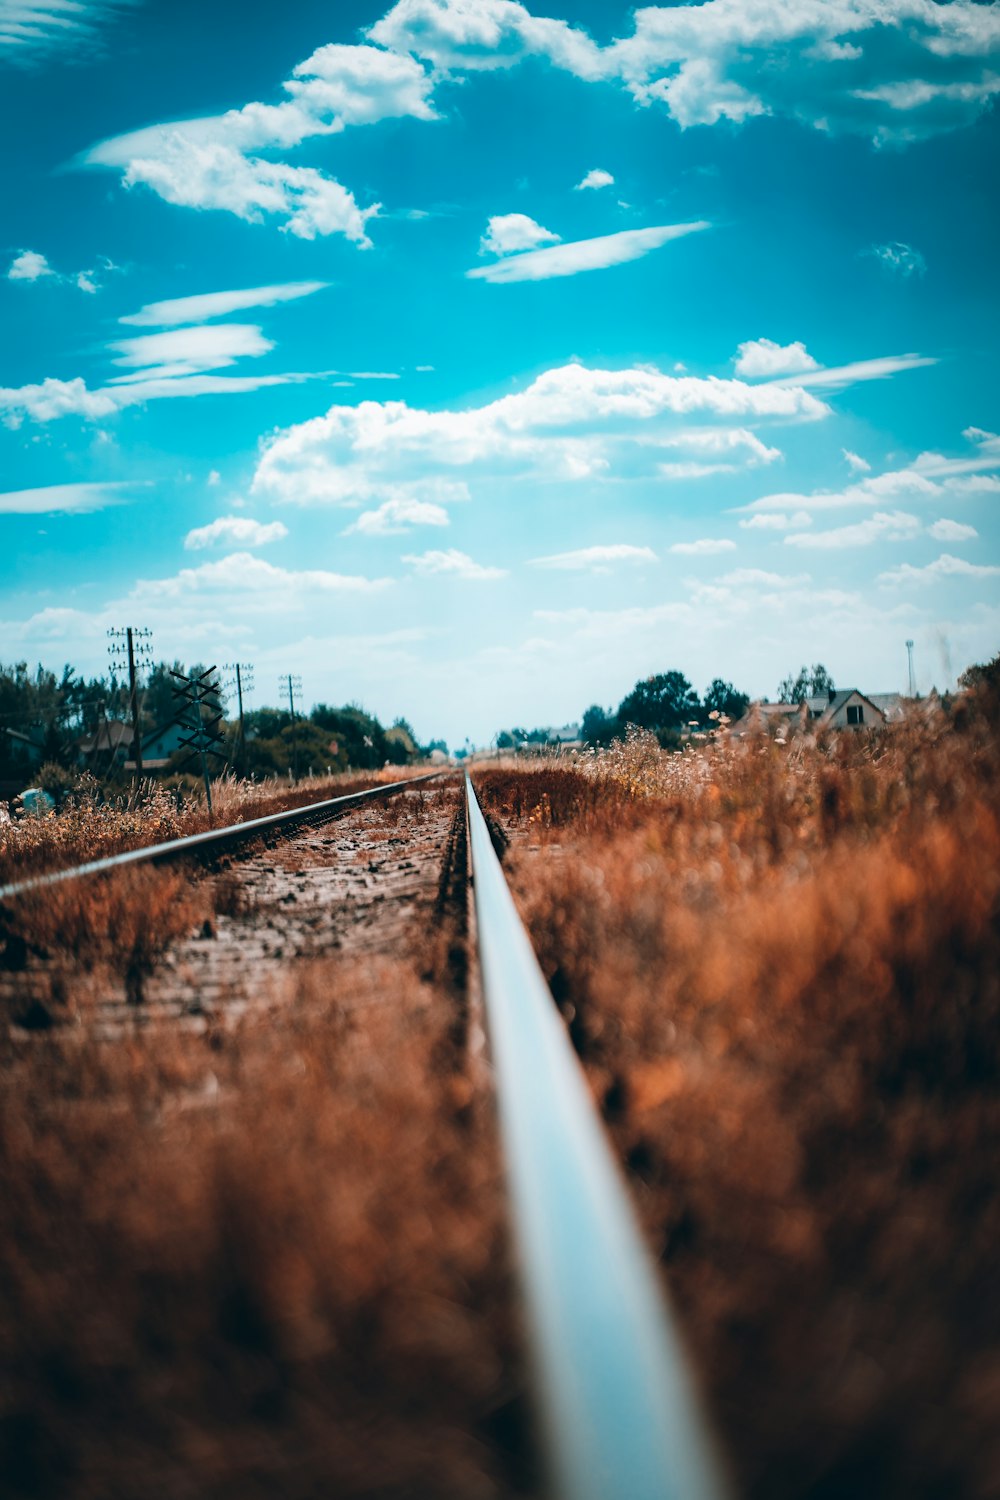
(663, 703)
(721, 697)
(598, 725)
(810, 683)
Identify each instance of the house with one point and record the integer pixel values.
(566, 738)
(21, 748)
(847, 709)
(110, 743)
(158, 747)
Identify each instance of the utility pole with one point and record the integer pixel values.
(294, 686)
(203, 737)
(132, 645)
(909, 659)
(243, 677)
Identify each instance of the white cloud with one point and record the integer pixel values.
(206, 305)
(861, 369)
(570, 423)
(214, 478)
(399, 515)
(595, 178)
(931, 476)
(453, 563)
(952, 531)
(704, 547)
(506, 234)
(597, 559)
(235, 531)
(893, 75)
(855, 462)
(899, 259)
(776, 520)
(189, 351)
(213, 162)
(242, 573)
(29, 29)
(945, 566)
(583, 255)
(52, 498)
(764, 358)
(51, 398)
(29, 266)
(883, 526)
(84, 283)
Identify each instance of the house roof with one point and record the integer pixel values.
(839, 699)
(110, 733)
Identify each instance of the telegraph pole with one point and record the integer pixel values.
(133, 646)
(909, 661)
(294, 686)
(243, 675)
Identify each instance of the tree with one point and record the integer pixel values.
(722, 698)
(813, 683)
(663, 703)
(598, 726)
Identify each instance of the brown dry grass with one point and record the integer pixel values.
(88, 828)
(781, 968)
(266, 1261)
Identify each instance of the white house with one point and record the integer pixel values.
(848, 709)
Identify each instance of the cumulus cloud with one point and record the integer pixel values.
(570, 423)
(944, 566)
(899, 259)
(399, 515)
(777, 521)
(53, 498)
(207, 305)
(29, 266)
(453, 563)
(834, 65)
(235, 531)
(952, 531)
(705, 547)
(582, 255)
(508, 233)
(883, 526)
(595, 178)
(215, 162)
(764, 358)
(599, 559)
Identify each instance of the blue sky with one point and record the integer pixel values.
(473, 361)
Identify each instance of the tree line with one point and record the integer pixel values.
(44, 716)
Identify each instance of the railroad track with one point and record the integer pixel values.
(619, 1416)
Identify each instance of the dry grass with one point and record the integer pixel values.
(89, 828)
(267, 1261)
(781, 968)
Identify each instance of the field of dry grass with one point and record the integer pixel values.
(268, 1257)
(780, 966)
(92, 827)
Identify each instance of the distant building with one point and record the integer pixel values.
(21, 747)
(158, 747)
(566, 738)
(109, 744)
(848, 709)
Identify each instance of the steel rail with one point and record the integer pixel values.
(620, 1416)
(212, 838)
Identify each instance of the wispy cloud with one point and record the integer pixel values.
(899, 260)
(53, 498)
(952, 531)
(188, 351)
(243, 574)
(944, 566)
(583, 255)
(599, 559)
(883, 526)
(453, 563)
(861, 369)
(235, 531)
(31, 266)
(705, 547)
(207, 305)
(30, 29)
